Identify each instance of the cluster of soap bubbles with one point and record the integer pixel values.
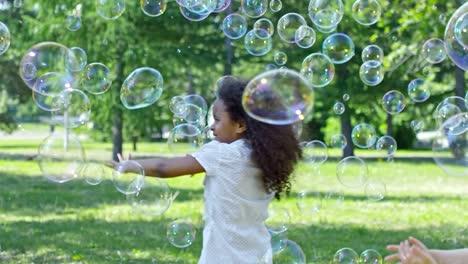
(190, 130)
(371, 71)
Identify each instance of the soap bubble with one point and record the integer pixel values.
(366, 12)
(44, 58)
(288, 25)
(221, 5)
(449, 107)
(195, 109)
(276, 5)
(153, 8)
(315, 152)
(177, 106)
(305, 36)
(417, 125)
(93, 173)
(454, 32)
(185, 138)
(338, 47)
(181, 233)
(371, 256)
(346, 97)
(386, 145)
(346, 256)
(280, 58)
(198, 11)
(234, 26)
(266, 25)
(278, 220)
(371, 73)
(326, 14)
(278, 97)
(141, 88)
(153, 198)
(318, 69)
(71, 108)
(326, 30)
(47, 87)
(270, 67)
(254, 8)
(278, 243)
(450, 146)
(418, 90)
(461, 30)
(393, 102)
(372, 52)
(352, 172)
(339, 108)
(128, 177)
(61, 157)
(110, 9)
(309, 201)
(95, 78)
(433, 51)
(338, 141)
(375, 189)
(363, 135)
(81, 58)
(73, 22)
(258, 42)
(292, 253)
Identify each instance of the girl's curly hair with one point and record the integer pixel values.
(275, 148)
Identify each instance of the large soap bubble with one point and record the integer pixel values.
(318, 69)
(258, 42)
(128, 177)
(372, 52)
(326, 14)
(181, 233)
(352, 172)
(455, 38)
(5, 38)
(47, 87)
(363, 135)
(153, 8)
(47, 57)
(305, 36)
(338, 47)
(141, 88)
(450, 146)
(366, 12)
(393, 102)
(254, 8)
(61, 157)
(346, 256)
(234, 26)
(371, 72)
(153, 198)
(418, 90)
(449, 107)
(278, 97)
(71, 108)
(95, 78)
(433, 50)
(288, 25)
(110, 9)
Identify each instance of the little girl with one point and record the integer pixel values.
(246, 165)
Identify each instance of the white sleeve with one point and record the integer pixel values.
(209, 156)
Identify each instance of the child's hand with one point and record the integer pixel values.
(113, 164)
(416, 253)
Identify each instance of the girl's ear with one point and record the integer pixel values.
(241, 127)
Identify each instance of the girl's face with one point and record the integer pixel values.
(224, 128)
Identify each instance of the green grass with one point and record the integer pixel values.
(45, 222)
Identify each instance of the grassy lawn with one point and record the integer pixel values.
(74, 222)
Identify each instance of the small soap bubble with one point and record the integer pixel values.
(339, 108)
(181, 233)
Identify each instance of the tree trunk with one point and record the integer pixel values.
(117, 116)
(190, 87)
(228, 50)
(460, 82)
(345, 120)
(389, 124)
(134, 142)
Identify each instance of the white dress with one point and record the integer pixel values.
(236, 205)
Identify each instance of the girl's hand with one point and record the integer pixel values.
(113, 164)
(414, 253)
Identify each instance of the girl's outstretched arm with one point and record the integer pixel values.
(167, 167)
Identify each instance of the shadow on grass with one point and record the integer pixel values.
(97, 241)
